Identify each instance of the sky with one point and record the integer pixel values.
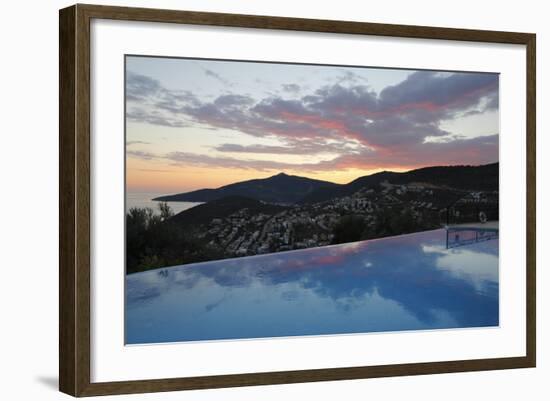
(194, 123)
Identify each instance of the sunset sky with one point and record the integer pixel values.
(195, 124)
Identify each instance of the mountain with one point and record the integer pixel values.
(291, 189)
(467, 178)
(280, 188)
(221, 208)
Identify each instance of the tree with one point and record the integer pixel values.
(348, 229)
(154, 241)
(165, 211)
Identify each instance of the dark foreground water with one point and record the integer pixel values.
(410, 282)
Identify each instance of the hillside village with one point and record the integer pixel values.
(419, 207)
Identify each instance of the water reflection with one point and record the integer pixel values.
(403, 283)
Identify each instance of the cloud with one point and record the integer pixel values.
(154, 118)
(401, 126)
(201, 160)
(292, 88)
(492, 102)
(233, 101)
(139, 154)
(217, 76)
(141, 87)
(435, 93)
(472, 151)
(291, 148)
(149, 102)
(152, 170)
(236, 148)
(348, 76)
(130, 143)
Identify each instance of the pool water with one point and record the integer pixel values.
(409, 282)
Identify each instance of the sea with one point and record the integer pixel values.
(144, 199)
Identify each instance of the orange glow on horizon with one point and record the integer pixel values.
(142, 177)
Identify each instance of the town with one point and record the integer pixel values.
(395, 209)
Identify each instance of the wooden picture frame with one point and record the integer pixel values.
(74, 203)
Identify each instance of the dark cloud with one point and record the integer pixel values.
(435, 92)
(399, 131)
(337, 99)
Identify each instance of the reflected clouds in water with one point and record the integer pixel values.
(410, 282)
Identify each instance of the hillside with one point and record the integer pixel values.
(280, 188)
(474, 178)
(221, 208)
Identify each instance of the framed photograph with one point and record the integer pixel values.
(250, 200)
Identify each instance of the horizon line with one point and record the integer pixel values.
(331, 182)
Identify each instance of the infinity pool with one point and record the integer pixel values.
(410, 282)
